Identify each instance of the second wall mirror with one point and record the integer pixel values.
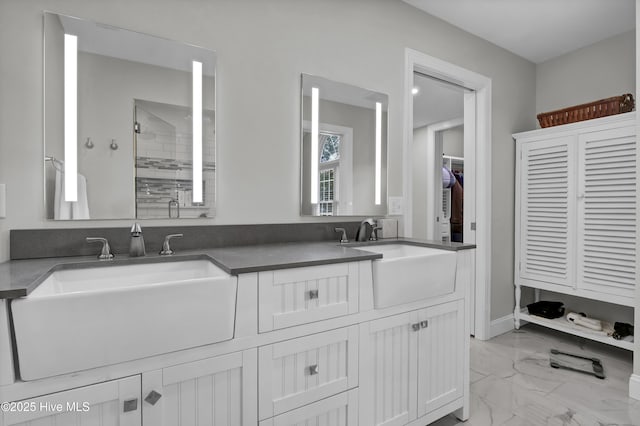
(344, 149)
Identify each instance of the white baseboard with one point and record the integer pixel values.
(501, 325)
(634, 386)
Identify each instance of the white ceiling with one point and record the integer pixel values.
(537, 30)
(436, 101)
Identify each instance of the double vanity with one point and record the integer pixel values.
(274, 334)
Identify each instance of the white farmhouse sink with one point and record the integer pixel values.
(408, 273)
(89, 317)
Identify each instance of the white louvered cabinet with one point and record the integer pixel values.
(576, 212)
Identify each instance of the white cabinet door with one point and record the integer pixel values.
(338, 410)
(218, 391)
(113, 403)
(440, 356)
(388, 370)
(547, 210)
(607, 211)
(289, 297)
(303, 370)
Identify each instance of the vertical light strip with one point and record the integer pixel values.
(378, 184)
(70, 117)
(315, 135)
(197, 131)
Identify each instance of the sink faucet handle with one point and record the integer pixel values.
(374, 233)
(136, 228)
(105, 253)
(166, 247)
(343, 238)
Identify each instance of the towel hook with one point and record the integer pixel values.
(89, 143)
(114, 145)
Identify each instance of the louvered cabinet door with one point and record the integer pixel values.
(547, 211)
(607, 212)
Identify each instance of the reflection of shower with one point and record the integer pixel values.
(147, 122)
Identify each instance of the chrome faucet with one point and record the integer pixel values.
(363, 233)
(172, 202)
(343, 238)
(374, 233)
(166, 248)
(105, 253)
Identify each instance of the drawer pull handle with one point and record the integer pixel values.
(424, 324)
(313, 294)
(415, 327)
(153, 397)
(313, 370)
(130, 405)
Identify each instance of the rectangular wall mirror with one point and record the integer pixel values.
(344, 149)
(129, 124)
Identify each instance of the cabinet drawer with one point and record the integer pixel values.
(113, 403)
(300, 371)
(338, 410)
(290, 297)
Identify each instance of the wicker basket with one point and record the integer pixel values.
(601, 108)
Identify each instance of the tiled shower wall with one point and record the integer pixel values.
(164, 162)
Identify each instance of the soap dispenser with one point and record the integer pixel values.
(136, 247)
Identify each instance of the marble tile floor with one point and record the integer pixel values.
(512, 383)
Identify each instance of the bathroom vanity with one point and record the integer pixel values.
(268, 335)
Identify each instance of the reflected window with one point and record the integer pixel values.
(329, 160)
(327, 192)
(330, 147)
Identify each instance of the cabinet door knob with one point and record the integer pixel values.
(153, 397)
(313, 294)
(130, 405)
(313, 370)
(424, 324)
(415, 327)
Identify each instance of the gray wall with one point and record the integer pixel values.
(262, 48)
(599, 71)
(453, 142)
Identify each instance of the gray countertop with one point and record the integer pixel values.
(18, 278)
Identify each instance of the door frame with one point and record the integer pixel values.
(481, 85)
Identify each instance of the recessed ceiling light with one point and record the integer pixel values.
(415, 90)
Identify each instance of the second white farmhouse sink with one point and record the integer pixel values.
(407, 273)
(90, 317)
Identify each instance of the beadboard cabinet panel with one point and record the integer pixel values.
(299, 371)
(440, 356)
(338, 410)
(113, 403)
(218, 391)
(290, 297)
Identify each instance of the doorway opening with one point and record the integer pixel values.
(428, 204)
